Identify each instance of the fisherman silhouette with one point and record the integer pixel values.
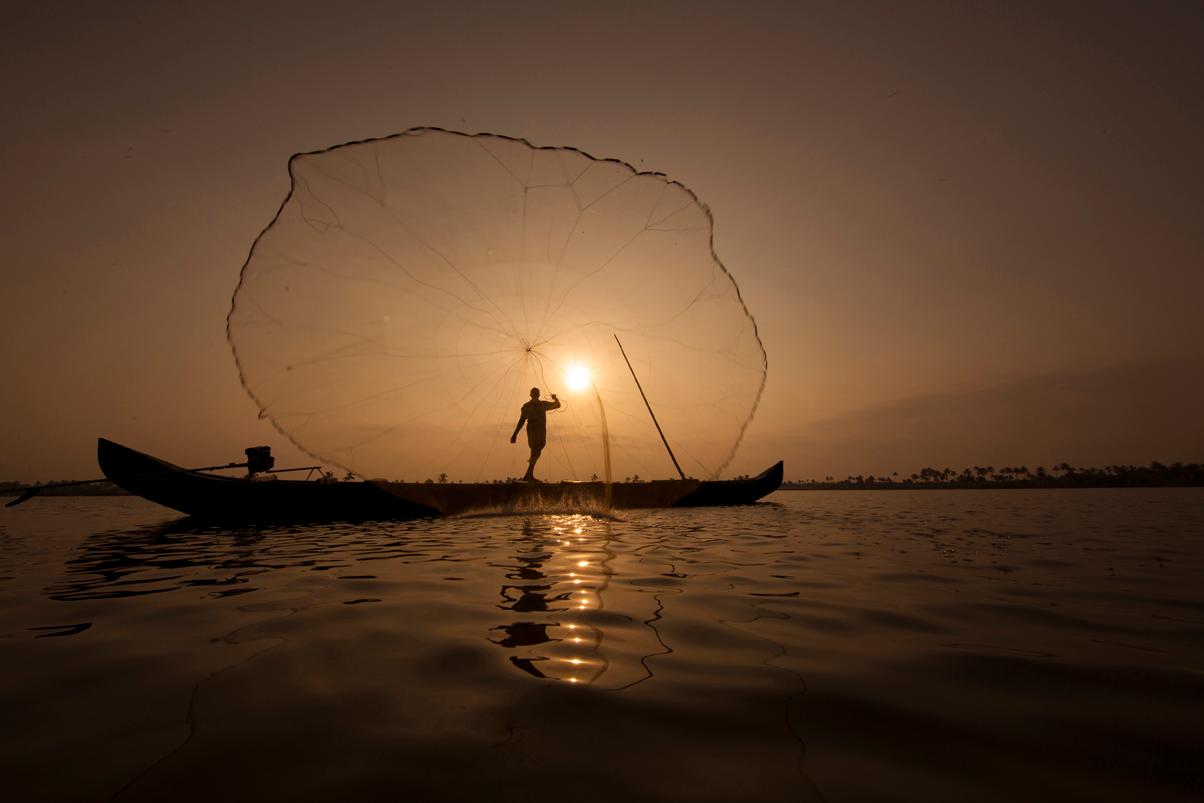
(534, 415)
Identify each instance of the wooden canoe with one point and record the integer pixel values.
(212, 496)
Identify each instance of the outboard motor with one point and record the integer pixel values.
(259, 459)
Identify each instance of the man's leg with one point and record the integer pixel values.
(536, 451)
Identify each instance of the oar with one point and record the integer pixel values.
(664, 440)
(37, 489)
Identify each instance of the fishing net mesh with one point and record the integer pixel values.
(411, 290)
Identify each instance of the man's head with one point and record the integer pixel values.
(534, 393)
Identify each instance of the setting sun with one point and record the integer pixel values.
(577, 377)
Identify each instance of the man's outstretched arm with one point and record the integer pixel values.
(553, 404)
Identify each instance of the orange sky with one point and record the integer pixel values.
(970, 234)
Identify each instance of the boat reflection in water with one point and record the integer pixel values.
(229, 561)
(557, 583)
(117, 564)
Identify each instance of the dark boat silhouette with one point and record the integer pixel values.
(213, 496)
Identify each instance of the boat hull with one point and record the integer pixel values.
(212, 496)
(453, 498)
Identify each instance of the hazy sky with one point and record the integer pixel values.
(970, 233)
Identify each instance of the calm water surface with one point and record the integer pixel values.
(927, 645)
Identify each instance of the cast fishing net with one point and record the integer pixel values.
(411, 290)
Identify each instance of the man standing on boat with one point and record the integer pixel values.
(534, 415)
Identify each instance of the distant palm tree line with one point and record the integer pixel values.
(1062, 475)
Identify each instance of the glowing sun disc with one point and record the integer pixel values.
(577, 377)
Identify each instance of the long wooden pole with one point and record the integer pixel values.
(37, 489)
(649, 406)
(30, 493)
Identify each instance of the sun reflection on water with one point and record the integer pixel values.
(552, 581)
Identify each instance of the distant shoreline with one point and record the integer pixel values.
(1062, 475)
(955, 486)
(97, 489)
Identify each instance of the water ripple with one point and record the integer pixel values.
(828, 646)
